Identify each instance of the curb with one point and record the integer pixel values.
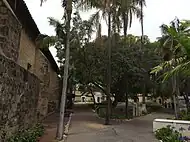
(67, 126)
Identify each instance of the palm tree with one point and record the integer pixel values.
(142, 45)
(104, 7)
(127, 9)
(67, 4)
(175, 44)
(66, 69)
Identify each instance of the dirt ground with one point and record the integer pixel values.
(50, 124)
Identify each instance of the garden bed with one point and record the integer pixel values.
(172, 130)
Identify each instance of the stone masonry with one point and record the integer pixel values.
(9, 33)
(43, 74)
(19, 91)
(29, 83)
(27, 51)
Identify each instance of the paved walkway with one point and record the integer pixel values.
(86, 127)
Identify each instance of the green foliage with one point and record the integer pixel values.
(168, 135)
(184, 115)
(128, 72)
(29, 135)
(175, 44)
(130, 66)
(101, 111)
(153, 107)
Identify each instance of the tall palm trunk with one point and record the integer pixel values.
(108, 110)
(125, 23)
(126, 105)
(175, 94)
(125, 27)
(142, 45)
(66, 70)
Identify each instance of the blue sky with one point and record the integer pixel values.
(156, 13)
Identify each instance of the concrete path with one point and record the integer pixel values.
(86, 127)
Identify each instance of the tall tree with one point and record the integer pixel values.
(108, 112)
(127, 9)
(105, 7)
(175, 44)
(68, 7)
(67, 4)
(142, 46)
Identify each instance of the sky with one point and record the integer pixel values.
(156, 13)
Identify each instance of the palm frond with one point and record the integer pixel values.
(95, 19)
(59, 27)
(42, 1)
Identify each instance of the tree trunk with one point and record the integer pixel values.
(126, 106)
(93, 98)
(142, 45)
(186, 98)
(108, 110)
(125, 23)
(115, 102)
(174, 95)
(142, 26)
(66, 70)
(144, 110)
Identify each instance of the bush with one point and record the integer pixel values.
(29, 135)
(169, 135)
(153, 107)
(184, 115)
(101, 111)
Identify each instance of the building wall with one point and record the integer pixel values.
(10, 30)
(54, 89)
(19, 92)
(27, 52)
(49, 87)
(22, 93)
(42, 71)
(19, 89)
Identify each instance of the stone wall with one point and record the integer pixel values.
(42, 71)
(54, 91)
(9, 33)
(27, 52)
(19, 92)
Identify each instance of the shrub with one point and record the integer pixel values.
(29, 135)
(168, 135)
(101, 111)
(153, 107)
(184, 115)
